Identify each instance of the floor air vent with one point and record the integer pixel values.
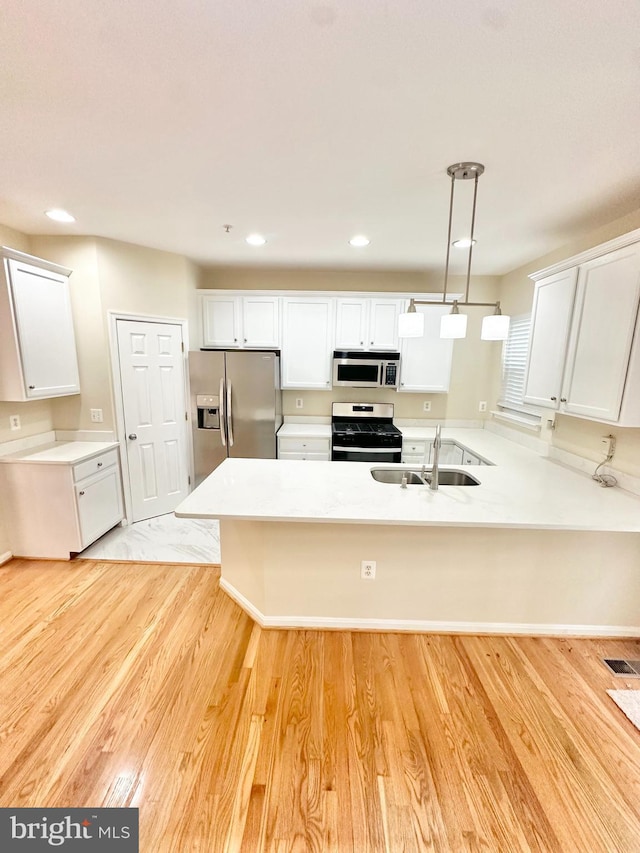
(627, 668)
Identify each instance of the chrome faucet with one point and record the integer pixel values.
(432, 478)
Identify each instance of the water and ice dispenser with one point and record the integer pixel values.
(208, 407)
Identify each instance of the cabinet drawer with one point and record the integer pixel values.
(413, 447)
(97, 463)
(303, 445)
(305, 457)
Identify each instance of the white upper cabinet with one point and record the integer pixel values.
(37, 340)
(425, 363)
(307, 342)
(601, 339)
(551, 321)
(584, 356)
(367, 323)
(240, 321)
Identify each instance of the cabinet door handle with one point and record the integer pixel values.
(99, 464)
(245, 340)
(563, 399)
(81, 493)
(32, 387)
(553, 398)
(132, 436)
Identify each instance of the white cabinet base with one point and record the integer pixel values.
(49, 516)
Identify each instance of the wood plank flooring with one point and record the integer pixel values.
(143, 685)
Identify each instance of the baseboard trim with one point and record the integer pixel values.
(420, 626)
(4, 558)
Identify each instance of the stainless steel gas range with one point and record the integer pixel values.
(364, 432)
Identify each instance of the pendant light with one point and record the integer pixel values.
(495, 327)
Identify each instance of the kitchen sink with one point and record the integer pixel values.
(446, 477)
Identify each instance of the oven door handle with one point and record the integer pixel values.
(367, 449)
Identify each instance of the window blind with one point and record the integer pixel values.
(514, 363)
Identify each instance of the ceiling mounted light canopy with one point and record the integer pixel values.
(495, 327)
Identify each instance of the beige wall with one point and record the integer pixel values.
(473, 360)
(107, 275)
(576, 435)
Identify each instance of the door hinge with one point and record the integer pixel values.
(182, 345)
(186, 416)
(188, 479)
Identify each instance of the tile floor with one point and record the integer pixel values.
(164, 539)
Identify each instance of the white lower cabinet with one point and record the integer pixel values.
(55, 509)
(308, 449)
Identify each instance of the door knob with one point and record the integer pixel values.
(132, 436)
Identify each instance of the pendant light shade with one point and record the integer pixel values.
(453, 325)
(411, 324)
(495, 327)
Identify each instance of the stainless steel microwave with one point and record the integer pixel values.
(357, 369)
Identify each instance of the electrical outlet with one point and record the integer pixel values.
(609, 444)
(482, 406)
(299, 402)
(96, 416)
(368, 570)
(426, 406)
(14, 421)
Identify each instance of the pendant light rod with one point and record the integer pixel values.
(473, 224)
(446, 265)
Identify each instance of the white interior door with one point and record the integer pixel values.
(154, 407)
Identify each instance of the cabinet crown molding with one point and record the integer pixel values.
(15, 255)
(588, 254)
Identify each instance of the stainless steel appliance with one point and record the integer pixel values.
(364, 432)
(366, 369)
(236, 406)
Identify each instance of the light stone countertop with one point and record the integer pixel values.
(289, 430)
(60, 452)
(521, 490)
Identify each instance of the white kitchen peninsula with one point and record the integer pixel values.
(535, 548)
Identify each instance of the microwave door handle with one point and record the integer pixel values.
(222, 415)
(229, 415)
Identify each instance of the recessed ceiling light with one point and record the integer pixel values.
(464, 244)
(255, 240)
(59, 215)
(359, 241)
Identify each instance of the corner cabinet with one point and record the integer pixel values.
(307, 342)
(37, 340)
(584, 356)
(425, 363)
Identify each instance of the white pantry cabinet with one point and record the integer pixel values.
(425, 363)
(584, 356)
(37, 340)
(55, 508)
(307, 342)
(367, 323)
(240, 321)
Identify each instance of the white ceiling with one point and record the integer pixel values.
(158, 121)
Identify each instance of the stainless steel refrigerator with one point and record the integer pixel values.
(236, 406)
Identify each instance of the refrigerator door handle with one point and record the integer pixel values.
(229, 415)
(222, 415)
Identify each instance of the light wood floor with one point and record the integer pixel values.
(144, 685)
